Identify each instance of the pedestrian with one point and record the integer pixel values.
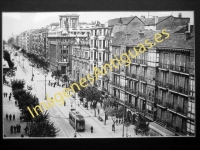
(119, 121)
(3, 94)
(64, 103)
(15, 103)
(116, 121)
(113, 127)
(22, 135)
(6, 116)
(26, 129)
(10, 94)
(14, 129)
(9, 98)
(11, 129)
(10, 116)
(49, 82)
(98, 111)
(14, 117)
(91, 129)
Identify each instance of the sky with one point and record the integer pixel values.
(16, 22)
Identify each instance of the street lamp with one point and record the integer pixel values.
(45, 75)
(32, 70)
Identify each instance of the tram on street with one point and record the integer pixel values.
(80, 121)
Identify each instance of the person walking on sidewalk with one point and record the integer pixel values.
(117, 121)
(91, 129)
(14, 129)
(113, 127)
(14, 117)
(10, 116)
(6, 116)
(3, 94)
(9, 97)
(11, 129)
(15, 103)
(98, 111)
(19, 128)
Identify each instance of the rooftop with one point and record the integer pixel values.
(176, 40)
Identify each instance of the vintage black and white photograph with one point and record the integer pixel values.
(98, 74)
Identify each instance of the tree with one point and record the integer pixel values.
(11, 41)
(82, 93)
(93, 95)
(42, 127)
(6, 57)
(17, 84)
(115, 112)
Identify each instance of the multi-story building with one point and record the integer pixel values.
(99, 55)
(61, 39)
(157, 85)
(80, 59)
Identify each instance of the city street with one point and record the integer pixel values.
(60, 114)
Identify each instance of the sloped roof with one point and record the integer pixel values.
(54, 24)
(176, 40)
(125, 20)
(151, 21)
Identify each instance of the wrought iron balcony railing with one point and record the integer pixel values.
(162, 84)
(179, 89)
(179, 68)
(164, 66)
(141, 94)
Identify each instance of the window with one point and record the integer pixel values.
(190, 127)
(100, 32)
(191, 108)
(100, 43)
(91, 55)
(91, 43)
(192, 88)
(99, 56)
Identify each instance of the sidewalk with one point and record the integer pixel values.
(10, 108)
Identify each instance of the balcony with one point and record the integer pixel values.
(171, 106)
(181, 111)
(160, 102)
(115, 84)
(106, 78)
(133, 60)
(116, 71)
(105, 62)
(131, 75)
(141, 78)
(143, 95)
(162, 84)
(132, 91)
(164, 66)
(179, 89)
(142, 61)
(179, 68)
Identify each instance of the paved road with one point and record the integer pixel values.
(59, 114)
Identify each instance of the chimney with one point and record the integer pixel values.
(187, 35)
(180, 15)
(141, 34)
(156, 20)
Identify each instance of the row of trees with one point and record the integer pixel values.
(111, 108)
(40, 126)
(6, 57)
